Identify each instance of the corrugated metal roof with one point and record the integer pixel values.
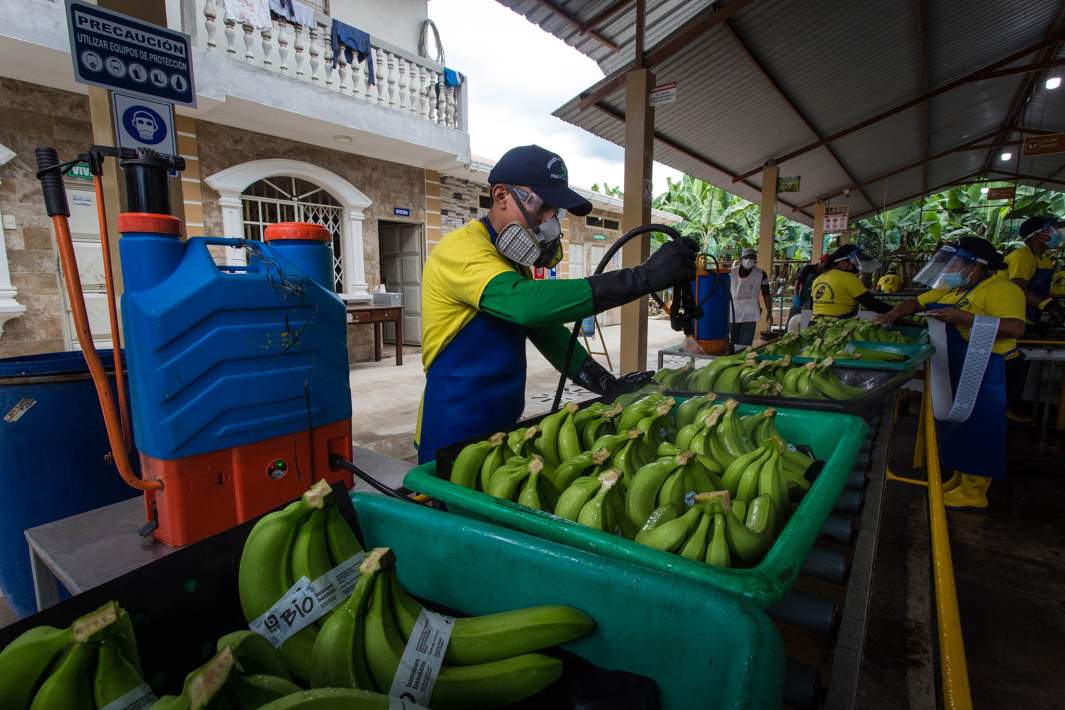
(840, 63)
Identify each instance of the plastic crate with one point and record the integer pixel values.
(878, 386)
(836, 438)
(695, 643)
(916, 353)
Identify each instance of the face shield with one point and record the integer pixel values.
(538, 244)
(950, 267)
(862, 262)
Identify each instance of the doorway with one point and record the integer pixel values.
(402, 251)
(85, 236)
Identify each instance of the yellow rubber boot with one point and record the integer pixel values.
(952, 482)
(970, 493)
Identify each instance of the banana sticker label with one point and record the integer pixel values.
(139, 698)
(422, 658)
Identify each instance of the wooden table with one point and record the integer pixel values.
(378, 316)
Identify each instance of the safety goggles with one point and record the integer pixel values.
(535, 205)
(947, 259)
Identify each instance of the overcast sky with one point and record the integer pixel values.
(518, 74)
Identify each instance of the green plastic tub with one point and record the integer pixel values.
(703, 648)
(836, 438)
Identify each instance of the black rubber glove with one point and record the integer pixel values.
(672, 264)
(596, 378)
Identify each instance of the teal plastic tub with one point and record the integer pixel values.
(704, 648)
(916, 353)
(836, 438)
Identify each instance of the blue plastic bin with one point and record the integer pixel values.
(53, 457)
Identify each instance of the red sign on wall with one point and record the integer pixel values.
(1000, 193)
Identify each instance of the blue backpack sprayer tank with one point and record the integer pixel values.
(238, 375)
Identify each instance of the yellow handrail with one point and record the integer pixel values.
(953, 667)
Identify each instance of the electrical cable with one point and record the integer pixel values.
(337, 461)
(625, 238)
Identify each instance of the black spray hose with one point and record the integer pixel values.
(336, 461)
(644, 229)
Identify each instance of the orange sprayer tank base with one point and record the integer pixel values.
(205, 494)
(718, 346)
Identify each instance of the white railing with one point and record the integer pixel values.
(404, 82)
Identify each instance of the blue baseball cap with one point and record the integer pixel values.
(544, 172)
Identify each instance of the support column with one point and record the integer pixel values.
(103, 133)
(817, 248)
(355, 288)
(639, 150)
(232, 226)
(767, 225)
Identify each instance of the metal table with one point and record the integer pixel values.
(679, 351)
(1050, 353)
(89, 549)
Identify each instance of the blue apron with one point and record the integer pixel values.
(976, 446)
(1040, 285)
(475, 386)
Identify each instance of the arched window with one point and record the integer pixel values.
(259, 192)
(289, 199)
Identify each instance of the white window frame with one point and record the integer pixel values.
(231, 183)
(9, 307)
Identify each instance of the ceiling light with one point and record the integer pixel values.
(983, 190)
(342, 139)
(1006, 156)
(1053, 82)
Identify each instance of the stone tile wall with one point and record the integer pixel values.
(387, 184)
(32, 115)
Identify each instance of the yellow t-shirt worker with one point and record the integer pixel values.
(961, 276)
(838, 292)
(889, 283)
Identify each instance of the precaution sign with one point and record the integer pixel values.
(1044, 145)
(663, 94)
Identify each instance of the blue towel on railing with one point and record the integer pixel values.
(352, 41)
(452, 77)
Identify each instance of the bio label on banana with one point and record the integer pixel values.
(420, 664)
(138, 698)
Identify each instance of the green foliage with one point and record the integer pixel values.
(908, 234)
(723, 223)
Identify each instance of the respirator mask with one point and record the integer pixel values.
(539, 246)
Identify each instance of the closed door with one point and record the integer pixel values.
(85, 236)
(575, 253)
(401, 272)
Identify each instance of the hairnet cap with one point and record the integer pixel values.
(542, 171)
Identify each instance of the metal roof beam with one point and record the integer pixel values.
(903, 200)
(972, 144)
(1033, 131)
(1025, 176)
(1024, 91)
(603, 15)
(687, 33)
(749, 53)
(977, 75)
(576, 23)
(670, 143)
(922, 14)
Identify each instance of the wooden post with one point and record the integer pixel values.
(639, 150)
(818, 246)
(767, 227)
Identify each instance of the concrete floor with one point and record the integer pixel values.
(1009, 566)
(385, 398)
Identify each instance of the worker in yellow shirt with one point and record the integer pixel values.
(479, 304)
(1029, 266)
(960, 276)
(1057, 284)
(890, 282)
(838, 292)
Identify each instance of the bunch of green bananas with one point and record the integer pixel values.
(306, 538)
(673, 377)
(748, 375)
(828, 337)
(88, 665)
(489, 662)
(227, 681)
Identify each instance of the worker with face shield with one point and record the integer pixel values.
(966, 297)
(838, 292)
(479, 304)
